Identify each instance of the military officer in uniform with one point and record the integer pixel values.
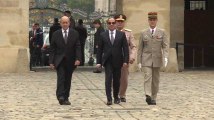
(152, 54)
(120, 24)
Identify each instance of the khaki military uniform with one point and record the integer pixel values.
(152, 50)
(124, 71)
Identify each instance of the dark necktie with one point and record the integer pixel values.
(152, 32)
(66, 36)
(112, 38)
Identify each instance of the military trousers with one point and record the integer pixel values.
(151, 81)
(123, 81)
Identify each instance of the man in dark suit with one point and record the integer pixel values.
(32, 35)
(82, 36)
(113, 53)
(38, 43)
(65, 55)
(97, 24)
(56, 26)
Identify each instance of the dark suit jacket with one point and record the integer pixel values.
(118, 53)
(59, 50)
(53, 28)
(72, 24)
(82, 33)
(39, 37)
(31, 34)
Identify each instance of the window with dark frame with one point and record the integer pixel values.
(195, 5)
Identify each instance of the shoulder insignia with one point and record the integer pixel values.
(127, 30)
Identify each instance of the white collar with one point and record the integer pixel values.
(64, 30)
(153, 29)
(114, 31)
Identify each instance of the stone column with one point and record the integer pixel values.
(112, 5)
(177, 28)
(119, 6)
(137, 10)
(98, 5)
(14, 16)
(102, 5)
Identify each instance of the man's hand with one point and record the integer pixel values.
(96, 46)
(165, 62)
(125, 65)
(98, 66)
(52, 66)
(37, 46)
(77, 63)
(131, 61)
(44, 46)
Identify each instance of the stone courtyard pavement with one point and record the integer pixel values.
(186, 95)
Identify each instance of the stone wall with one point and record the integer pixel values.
(13, 34)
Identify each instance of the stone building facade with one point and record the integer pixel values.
(14, 15)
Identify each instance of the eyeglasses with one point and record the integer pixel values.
(111, 23)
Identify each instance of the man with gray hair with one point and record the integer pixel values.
(65, 55)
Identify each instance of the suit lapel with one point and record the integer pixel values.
(116, 37)
(69, 39)
(61, 37)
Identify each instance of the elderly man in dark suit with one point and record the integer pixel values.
(113, 53)
(65, 55)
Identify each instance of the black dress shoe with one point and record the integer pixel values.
(116, 101)
(153, 102)
(61, 100)
(109, 103)
(148, 99)
(66, 102)
(123, 99)
(97, 71)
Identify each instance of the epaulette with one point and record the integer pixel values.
(127, 30)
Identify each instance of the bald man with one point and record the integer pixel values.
(65, 55)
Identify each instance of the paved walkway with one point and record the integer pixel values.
(182, 96)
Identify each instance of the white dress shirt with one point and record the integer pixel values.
(114, 33)
(63, 32)
(153, 31)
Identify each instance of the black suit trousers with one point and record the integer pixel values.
(83, 53)
(112, 74)
(64, 75)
